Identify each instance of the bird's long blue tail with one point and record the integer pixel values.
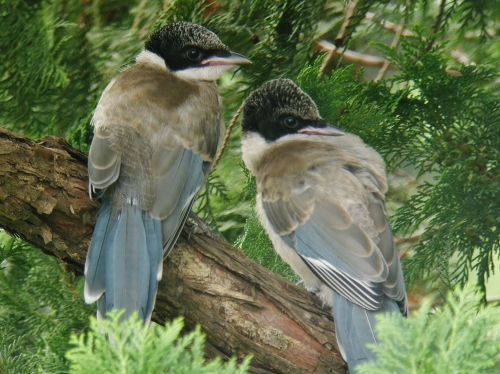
(124, 261)
(355, 328)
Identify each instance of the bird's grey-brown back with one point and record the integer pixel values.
(157, 126)
(320, 197)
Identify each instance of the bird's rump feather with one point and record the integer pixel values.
(123, 261)
(128, 264)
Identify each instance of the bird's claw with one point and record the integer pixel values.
(312, 289)
(200, 227)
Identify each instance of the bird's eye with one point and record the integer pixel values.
(290, 122)
(193, 54)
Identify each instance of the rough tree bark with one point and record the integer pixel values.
(242, 307)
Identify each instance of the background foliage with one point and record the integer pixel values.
(416, 79)
(129, 348)
(459, 338)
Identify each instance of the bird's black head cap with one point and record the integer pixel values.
(278, 108)
(184, 45)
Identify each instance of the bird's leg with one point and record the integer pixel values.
(312, 289)
(199, 227)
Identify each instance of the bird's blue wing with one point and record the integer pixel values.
(179, 174)
(355, 328)
(125, 259)
(343, 257)
(337, 249)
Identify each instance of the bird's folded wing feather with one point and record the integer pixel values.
(103, 164)
(335, 246)
(179, 174)
(394, 285)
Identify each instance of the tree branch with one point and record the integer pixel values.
(242, 307)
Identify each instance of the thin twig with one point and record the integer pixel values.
(437, 25)
(138, 18)
(409, 240)
(69, 283)
(389, 25)
(350, 56)
(404, 175)
(228, 133)
(395, 42)
(364, 59)
(351, 7)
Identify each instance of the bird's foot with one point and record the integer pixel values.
(312, 289)
(200, 227)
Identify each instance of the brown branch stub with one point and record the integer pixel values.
(408, 240)
(242, 307)
(351, 56)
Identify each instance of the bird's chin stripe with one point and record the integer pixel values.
(205, 73)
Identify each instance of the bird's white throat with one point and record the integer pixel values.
(202, 73)
(253, 147)
(150, 58)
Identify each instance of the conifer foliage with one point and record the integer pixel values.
(130, 348)
(415, 79)
(459, 338)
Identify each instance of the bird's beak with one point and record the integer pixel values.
(232, 59)
(327, 131)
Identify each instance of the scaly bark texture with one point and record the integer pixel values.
(242, 307)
